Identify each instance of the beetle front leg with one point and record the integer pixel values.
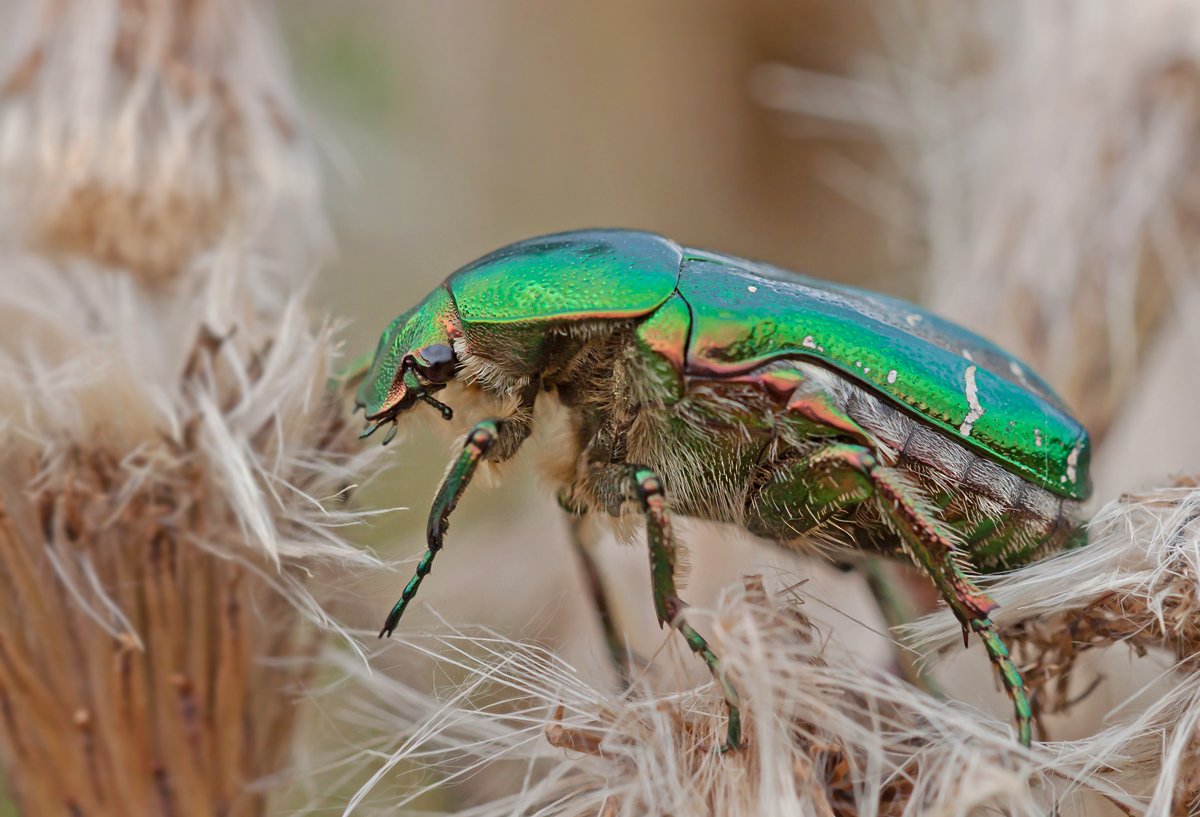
(479, 442)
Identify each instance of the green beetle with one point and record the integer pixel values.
(714, 387)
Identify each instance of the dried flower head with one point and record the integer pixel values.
(172, 459)
(165, 492)
(825, 736)
(137, 133)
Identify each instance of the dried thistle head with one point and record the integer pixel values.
(164, 496)
(825, 736)
(137, 133)
(173, 459)
(1135, 584)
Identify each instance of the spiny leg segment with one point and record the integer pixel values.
(801, 494)
(970, 605)
(647, 487)
(932, 550)
(481, 439)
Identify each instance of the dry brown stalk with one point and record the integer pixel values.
(171, 458)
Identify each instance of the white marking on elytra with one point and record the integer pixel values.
(858, 363)
(1073, 460)
(867, 370)
(1037, 437)
(973, 401)
(752, 289)
(912, 320)
(1016, 369)
(808, 342)
(820, 348)
(967, 355)
(891, 378)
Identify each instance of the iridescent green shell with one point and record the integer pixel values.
(569, 276)
(744, 314)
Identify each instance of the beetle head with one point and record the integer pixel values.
(414, 360)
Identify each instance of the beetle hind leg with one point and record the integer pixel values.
(934, 552)
(803, 494)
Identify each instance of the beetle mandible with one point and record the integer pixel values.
(710, 386)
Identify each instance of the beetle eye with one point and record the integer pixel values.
(436, 363)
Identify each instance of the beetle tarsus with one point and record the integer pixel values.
(393, 620)
(651, 495)
(1009, 675)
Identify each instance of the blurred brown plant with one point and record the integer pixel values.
(172, 458)
(139, 133)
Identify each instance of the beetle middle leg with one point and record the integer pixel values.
(616, 484)
(595, 585)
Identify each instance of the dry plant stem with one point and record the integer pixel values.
(173, 690)
(174, 728)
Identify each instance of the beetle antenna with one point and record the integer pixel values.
(447, 412)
